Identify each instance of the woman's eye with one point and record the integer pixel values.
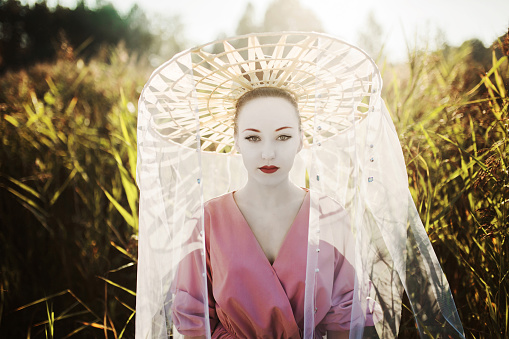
(283, 137)
(253, 138)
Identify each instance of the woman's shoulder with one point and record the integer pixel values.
(222, 201)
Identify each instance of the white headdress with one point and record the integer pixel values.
(351, 154)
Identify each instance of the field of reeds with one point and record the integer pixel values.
(68, 199)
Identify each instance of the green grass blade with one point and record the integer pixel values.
(126, 215)
(127, 323)
(119, 286)
(63, 187)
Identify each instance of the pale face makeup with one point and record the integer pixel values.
(268, 138)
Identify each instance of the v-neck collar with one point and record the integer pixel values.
(287, 235)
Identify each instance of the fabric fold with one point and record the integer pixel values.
(188, 317)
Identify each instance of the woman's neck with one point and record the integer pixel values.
(269, 196)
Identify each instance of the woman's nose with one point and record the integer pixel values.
(268, 153)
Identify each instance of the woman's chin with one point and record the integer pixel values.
(270, 179)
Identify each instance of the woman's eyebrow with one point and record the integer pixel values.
(252, 129)
(279, 129)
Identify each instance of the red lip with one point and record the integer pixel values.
(269, 169)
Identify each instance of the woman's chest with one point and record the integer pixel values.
(245, 282)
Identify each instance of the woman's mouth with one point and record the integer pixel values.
(269, 169)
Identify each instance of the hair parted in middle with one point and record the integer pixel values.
(265, 92)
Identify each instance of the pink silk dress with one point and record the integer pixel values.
(251, 298)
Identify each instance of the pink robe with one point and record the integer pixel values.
(251, 298)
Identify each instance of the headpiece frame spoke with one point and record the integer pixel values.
(315, 67)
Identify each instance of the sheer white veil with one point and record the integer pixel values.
(351, 154)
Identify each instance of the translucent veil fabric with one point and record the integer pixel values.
(351, 158)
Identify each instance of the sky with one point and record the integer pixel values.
(413, 22)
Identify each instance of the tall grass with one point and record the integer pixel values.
(68, 207)
(68, 198)
(451, 114)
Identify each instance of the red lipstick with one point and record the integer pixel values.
(269, 169)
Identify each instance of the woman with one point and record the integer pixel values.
(255, 239)
(272, 259)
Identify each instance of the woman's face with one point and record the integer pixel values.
(268, 138)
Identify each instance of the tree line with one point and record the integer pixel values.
(38, 33)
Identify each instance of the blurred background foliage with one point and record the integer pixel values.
(70, 80)
(31, 34)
